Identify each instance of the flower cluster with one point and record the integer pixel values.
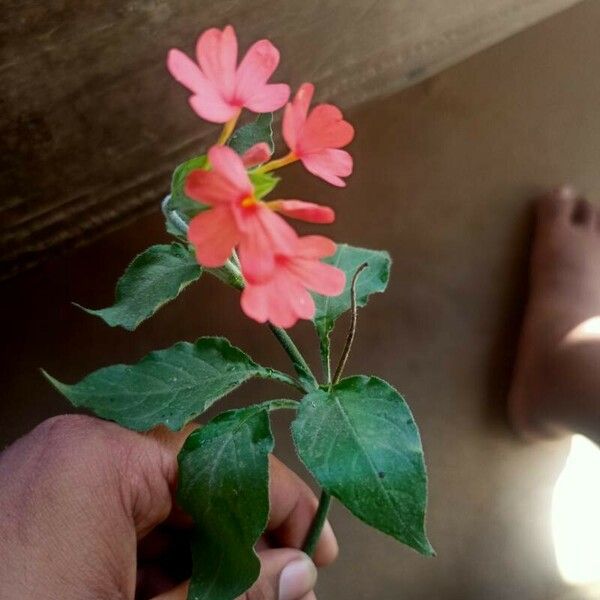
(280, 267)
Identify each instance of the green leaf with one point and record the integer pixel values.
(169, 387)
(373, 279)
(260, 130)
(224, 485)
(263, 183)
(360, 442)
(179, 202)
(155, 276)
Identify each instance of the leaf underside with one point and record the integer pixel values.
(362, 445)
(185, 206)
(259, 130)
(224, 486)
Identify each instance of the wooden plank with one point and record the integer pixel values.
(91, 125)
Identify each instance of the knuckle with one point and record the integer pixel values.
(77, 440)
(61, 431)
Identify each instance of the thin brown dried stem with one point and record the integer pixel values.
(352, 330)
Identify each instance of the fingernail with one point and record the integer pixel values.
(297, 579)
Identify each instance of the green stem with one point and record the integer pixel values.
(174, 217)
(325, 348)
(314, 533)
(305, 375)
(229, 274)
(275, 375)
(316, 527)
(281, 404)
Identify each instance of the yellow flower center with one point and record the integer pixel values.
(249, 201)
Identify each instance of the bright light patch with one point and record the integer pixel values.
(576, 514)
(588, 331)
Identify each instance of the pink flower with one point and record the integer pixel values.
(237, 218)
(284, 297)
(303, 211)
(257, 154)
(316, 138)
(220, 88)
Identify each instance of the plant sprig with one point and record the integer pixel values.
(356, 435)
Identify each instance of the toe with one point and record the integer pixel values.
(583, 213)
(557, 205)
(597, 218)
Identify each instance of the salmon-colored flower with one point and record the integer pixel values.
(237, 218)
(303, 211)
(284, 297)
(220, 88)
(257, 154)
(316, 137)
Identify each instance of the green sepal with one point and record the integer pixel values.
(263, 183)
(153, 278)
(224, 486)
(360, 442)
(167, 387)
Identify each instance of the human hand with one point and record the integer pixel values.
(87, 513)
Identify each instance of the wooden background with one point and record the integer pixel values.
(91, 125)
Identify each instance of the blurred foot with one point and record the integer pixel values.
(556, 383)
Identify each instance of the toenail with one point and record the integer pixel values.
(565, 192)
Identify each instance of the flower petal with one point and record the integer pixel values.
(288, 301)
(295, 113)
(303, 99)
(210, 187)
(304, 211)
(256, 67)
(257, 154)
(264, 235)
(315, 246)
(228, 164)
(291, 126)
(216, 52)
(186, 71)
(269, 98)
(329, 164)
(302, 302)
(210, 106)
(214, 234)
(255, 303)
(318, 276)
(282, 301)
(324, 128)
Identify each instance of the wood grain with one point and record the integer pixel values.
(91, 125)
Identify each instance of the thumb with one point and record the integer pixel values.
(285, 574)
